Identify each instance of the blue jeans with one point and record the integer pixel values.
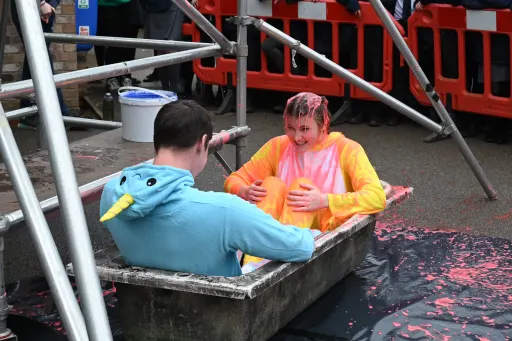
(47, 28)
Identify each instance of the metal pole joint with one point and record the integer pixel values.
(230, 50)
(448, 129)
(242, 20)
(257, 22)
(4, 226)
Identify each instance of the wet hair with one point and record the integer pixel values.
(181, 125)
(307, 104)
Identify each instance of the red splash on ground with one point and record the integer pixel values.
(444, 302)
(430, 335)
(481, 338)
(506, 216)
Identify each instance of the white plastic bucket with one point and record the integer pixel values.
(139, 108)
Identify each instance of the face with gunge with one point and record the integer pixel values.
(304, 132)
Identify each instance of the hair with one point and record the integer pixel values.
(310, 105)
(181, 125)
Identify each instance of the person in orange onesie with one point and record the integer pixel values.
(309, 177)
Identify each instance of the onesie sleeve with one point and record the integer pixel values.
(367, 197)
(262, 165)
(257, 233)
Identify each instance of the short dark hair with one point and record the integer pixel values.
(181, 125)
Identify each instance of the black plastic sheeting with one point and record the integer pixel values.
(415, 284)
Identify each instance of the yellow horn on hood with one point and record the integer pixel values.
(121, 204)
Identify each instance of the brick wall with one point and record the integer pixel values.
(64, 55)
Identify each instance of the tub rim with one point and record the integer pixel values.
(246, 286)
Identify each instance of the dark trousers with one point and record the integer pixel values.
(115, 21)
(25, 74)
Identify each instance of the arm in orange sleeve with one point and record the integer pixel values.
(262, 165)
(367, 197)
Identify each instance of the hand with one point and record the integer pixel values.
(358, 13)
(255, 193)
(419, 6)
(46, 12)
(309, 200)
(195, 3)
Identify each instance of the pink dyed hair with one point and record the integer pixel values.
(309, 105)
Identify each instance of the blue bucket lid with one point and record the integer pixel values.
(146, 95)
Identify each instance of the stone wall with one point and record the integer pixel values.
(64, 55)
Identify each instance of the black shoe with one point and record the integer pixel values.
(357, 119)
(393, 121)
(151, 78)
(278, 109)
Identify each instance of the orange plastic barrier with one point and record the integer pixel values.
(465, 46)
(321, 16)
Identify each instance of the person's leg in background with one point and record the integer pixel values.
(186, 69)
(273, 51)
(101, 30)
(108, 26)
(167, 25)
(47, 28)
(127, 15)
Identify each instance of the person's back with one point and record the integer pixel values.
(158, 220)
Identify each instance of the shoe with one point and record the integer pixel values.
(278, 109)
(27, 123)
(393, 121)
(356, 119)
(151, 78)
(374, 120)
(113, 84)
(127, 81)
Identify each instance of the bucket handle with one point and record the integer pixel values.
(147, 90)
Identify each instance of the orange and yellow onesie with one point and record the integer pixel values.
(337, 166)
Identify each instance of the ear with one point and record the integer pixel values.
(202, 143)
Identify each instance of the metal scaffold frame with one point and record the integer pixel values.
(93, 323)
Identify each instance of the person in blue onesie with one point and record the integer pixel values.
(159, 220)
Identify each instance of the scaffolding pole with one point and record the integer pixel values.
(20, 113)
(41, 236)
(170, 45)
(380, 95)
(450, 127)
(101, 72)
(79, 242)
(242, 51)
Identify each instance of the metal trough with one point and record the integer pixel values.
(161, 305)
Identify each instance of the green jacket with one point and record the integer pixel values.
(112, 2)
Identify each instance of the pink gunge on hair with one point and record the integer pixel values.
(309, 106)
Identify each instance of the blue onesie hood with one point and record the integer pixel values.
(158, 220)
(142, 188)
